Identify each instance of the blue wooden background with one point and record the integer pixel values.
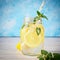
(12, 13)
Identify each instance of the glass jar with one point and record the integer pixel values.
(32, 37)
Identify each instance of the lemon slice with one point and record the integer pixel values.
(30, 37)
(23, 32)
(18, 46)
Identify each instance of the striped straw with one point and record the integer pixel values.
(41, 6)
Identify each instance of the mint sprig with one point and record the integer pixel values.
(39, 16)
(48, 55)
(44, 52)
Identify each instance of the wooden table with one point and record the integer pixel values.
(8, 49)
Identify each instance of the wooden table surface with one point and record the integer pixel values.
(8, 49)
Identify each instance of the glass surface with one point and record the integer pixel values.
(32, 37)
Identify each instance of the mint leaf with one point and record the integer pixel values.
(41, 15)
(44, 52)
(56, 56)
(50, 55)
(38, 30)
(40, 57)
(38, 13)
(36, 19)
(23, 26)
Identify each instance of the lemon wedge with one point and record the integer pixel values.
(18, 46)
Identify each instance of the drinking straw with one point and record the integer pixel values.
(42, 5)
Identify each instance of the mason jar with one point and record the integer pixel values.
(32, 37)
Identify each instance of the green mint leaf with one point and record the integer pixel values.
(56, 56)
(41, 58)
(41, 15)
(36, 18)
(50, 55)
(44, 52)
(38, 13)
(38, 30)
(47, 58)
(23, 26)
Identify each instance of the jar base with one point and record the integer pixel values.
(33, 51)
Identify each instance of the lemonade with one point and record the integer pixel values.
(32, 35)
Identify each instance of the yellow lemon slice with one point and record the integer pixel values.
(18, 46)
(22, 33)
(30, 37)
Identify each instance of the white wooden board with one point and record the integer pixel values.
(8, 49)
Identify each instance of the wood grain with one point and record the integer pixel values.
(8, 49)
